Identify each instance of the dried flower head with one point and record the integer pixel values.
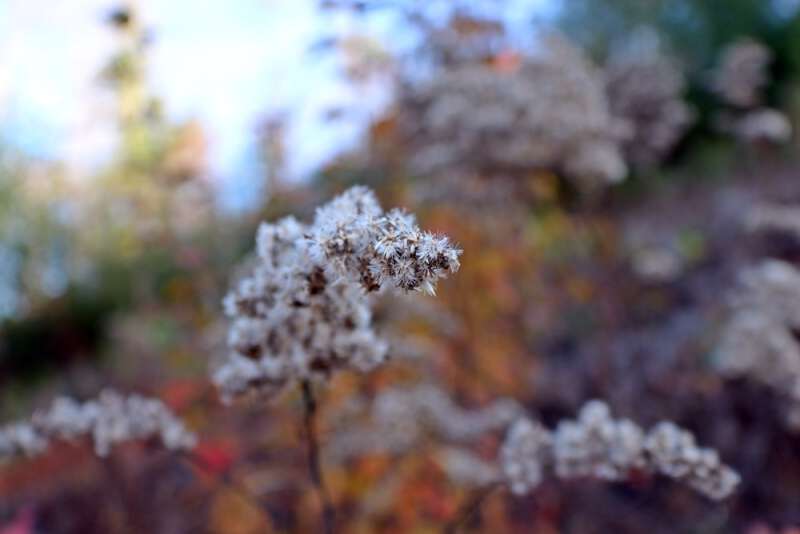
(465, 468)
(742, 73)
(304, 311)
(539, 114)
(645, 90)
(526, 453)
(20, 439)
(399, 419)
(597, 446)
(740, 80)
(762, 125)
(672, 451)
(758, 341)
(108, 420)
(778, 218)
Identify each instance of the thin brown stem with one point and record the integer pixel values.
(314, 464)
(470, 507)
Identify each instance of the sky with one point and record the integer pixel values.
(226, 63)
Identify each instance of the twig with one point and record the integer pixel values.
(314, 465)
(470, 508)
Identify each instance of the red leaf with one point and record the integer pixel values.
(216, 456)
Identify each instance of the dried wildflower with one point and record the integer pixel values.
(304, 311)
(763, 125)
(758, 341)
(453, 422)
(541, 114)
(645, 90)
(399, 419)
(742, 73)
(779, 218)
(353, 235)
(657, 263)
(672, 451)
(598, 446)
(107, 421)
(657, 254)
(20, 439)
(740, 80)
(466, 468)
(596, 163)
(772, 288)
(595, 445)
(526, 453)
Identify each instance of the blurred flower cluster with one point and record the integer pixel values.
(109, 420)
(740, 79)
(759, 339)
(646, 89)
(399, 419)
(544, 111)
(596, 445)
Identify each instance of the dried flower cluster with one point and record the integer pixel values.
(658, 255)
(763, 125)
(742, 73)
(110, 419)
(778, 218)
(399, 419)
(657, 263)
(304, 311)
(739, 80)
(645, 90)
(544, 112)
(466, 468)
(758, 340)
(598, 446)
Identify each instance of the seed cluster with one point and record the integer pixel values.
(597, 446)
(304, 310)
(399, 419)
(108, 420)
(645, 90)
(548, 111)
(740, 80)
(758, 341)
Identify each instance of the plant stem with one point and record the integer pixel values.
(314, 464)
(124, 500)
(470, 508)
